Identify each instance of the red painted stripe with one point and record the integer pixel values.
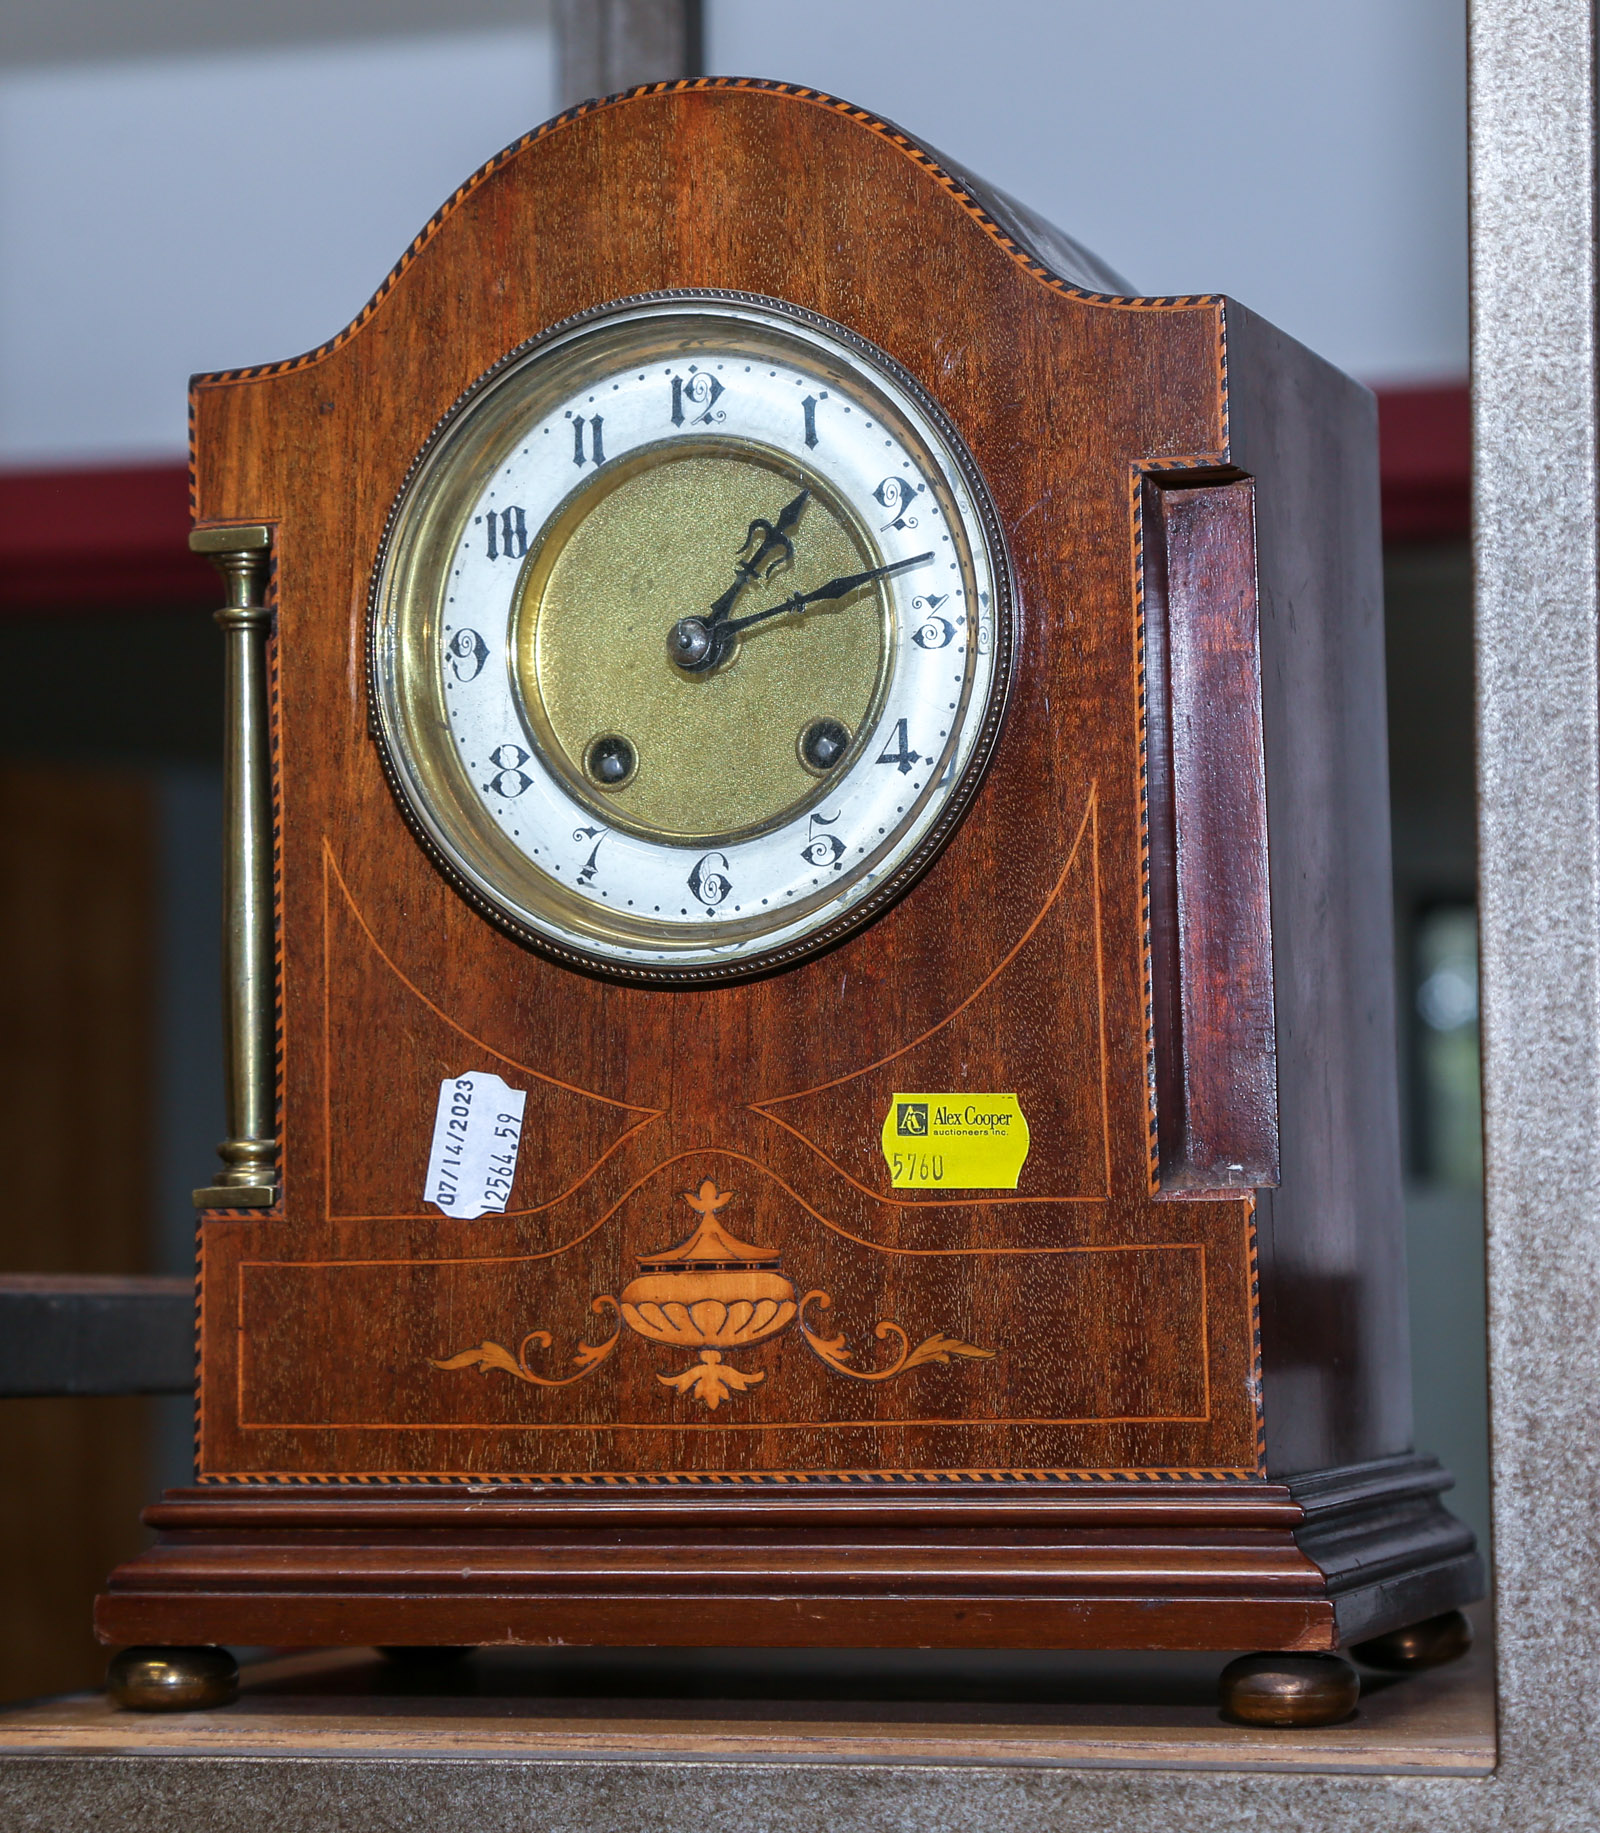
(1425, 462)
(111, 539)
(115, 538)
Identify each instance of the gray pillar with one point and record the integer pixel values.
(606, 45)
(1534, 446)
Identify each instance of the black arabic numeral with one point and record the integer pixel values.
(904, 756)
(598, 835)
(467, 652)
(510, 779)
(700, 391)
(507, 532)
(709, 879)
(896, 496)
(822, 850)
(934, 632)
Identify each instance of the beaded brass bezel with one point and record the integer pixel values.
(403, 644)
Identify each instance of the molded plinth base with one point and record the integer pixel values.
(1308, 1566)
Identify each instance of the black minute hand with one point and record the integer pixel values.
(835, 588)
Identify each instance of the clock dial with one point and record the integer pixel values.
(690, 637)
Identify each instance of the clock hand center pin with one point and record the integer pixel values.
(696, 644)
(690, 643)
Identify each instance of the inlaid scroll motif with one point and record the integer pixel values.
(712, 1293)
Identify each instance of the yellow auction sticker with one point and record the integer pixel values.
(955, 1142)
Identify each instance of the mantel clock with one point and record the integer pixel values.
(811, 1052)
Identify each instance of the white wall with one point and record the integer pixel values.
(1309, 159)
(167, 215)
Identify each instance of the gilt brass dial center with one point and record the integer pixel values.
(643, 554)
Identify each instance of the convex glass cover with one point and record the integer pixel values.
(690, 636)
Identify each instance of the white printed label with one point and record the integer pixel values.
(475, 1140)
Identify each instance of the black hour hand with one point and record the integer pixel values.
(760, 560)
(774, 539)
(774, 552)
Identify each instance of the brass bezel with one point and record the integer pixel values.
(447, 821)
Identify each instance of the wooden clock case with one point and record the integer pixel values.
(1163, 923)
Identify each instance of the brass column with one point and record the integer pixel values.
(250, 1152)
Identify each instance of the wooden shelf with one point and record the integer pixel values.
(1119, 1711)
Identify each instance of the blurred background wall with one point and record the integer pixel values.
(196, 184)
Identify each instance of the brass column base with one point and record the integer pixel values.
(236, 1196)
(249, 1178)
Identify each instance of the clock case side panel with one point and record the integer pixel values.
(1335, 1341)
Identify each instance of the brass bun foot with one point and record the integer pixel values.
(1288, 1690)
(1428, 1644)
(172, 1679)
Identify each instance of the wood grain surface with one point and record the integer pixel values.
(1121, 1329)
(1112, 1564)
(1216, 1074)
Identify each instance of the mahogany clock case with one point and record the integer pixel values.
(1157, 1394)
